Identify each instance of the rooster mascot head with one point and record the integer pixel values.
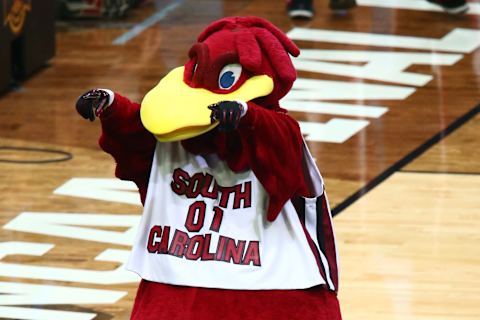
(238, 58)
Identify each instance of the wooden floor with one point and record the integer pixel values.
(388, 99)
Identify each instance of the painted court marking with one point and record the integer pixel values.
(421, 5)
(147, 23)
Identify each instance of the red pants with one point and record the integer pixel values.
(161, 301)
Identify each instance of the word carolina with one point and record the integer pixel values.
(197, 247)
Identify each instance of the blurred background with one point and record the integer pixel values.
(387, 98)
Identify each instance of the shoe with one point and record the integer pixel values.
(302, 9)
(452, 6)
(342, 5)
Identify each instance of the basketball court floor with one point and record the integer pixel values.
(387, 97)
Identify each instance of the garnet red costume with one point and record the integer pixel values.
(267, 141)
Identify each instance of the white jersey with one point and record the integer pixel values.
(205, 226)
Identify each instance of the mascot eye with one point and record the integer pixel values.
(229, 76)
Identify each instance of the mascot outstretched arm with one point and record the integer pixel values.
(236, 223)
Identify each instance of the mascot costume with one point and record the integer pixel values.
(236, 223)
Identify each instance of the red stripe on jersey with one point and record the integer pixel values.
(331, 253)
(315, 252)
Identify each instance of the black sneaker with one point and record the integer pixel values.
(302, 9)
(452, 6)
(342, 5)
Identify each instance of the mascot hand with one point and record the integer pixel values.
(227, 113)
(93, 103)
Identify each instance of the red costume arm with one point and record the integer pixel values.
(267, 141)
(130, 144)
(270, 143)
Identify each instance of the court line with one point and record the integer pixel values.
(147, 23)
(406, 160)
(65, 156)
(418, 5)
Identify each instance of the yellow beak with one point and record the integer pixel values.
(174, 111)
